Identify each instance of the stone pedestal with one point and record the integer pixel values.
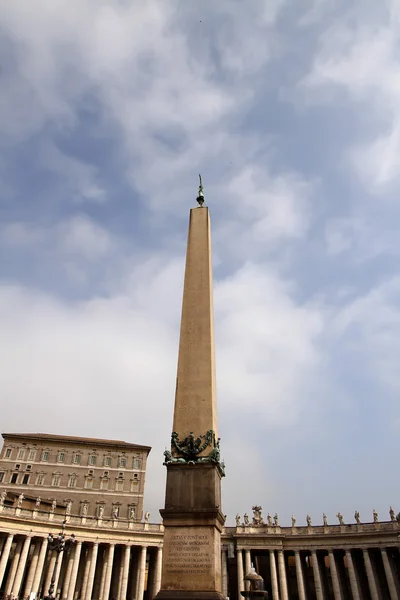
(193, 521)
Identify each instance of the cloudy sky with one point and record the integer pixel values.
(290, 110)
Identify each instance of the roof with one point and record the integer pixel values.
(47, 437)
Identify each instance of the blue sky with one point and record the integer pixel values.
(291, 112)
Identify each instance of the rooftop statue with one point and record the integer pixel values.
(257, 515)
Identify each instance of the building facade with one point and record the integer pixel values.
(83, 476)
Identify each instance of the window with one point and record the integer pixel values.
(14, 478)
(72, 481)
(21, 453)
(55, 480)
(92, 459)
(106, 473)
(89, 483)
(29, 467)
(137, 463)
(120, 475)
(119, 485)
(17, 467)
(8, 453)
(136, 477)
(76, 459)
(134, 483)
(32, 454)
(25, 479)
(122, 462)
(104, 484)
(61, 457)
(1, 476)
(90, 472)
(45, 455)
(107, 461)
(40, 479)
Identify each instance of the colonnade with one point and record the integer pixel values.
(332, 574)
(90, 570)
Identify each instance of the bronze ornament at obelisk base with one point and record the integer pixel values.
(192, 517)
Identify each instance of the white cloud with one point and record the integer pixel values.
(21, 235)
(81, 236)
(268, 345)
(359, 54)
(370, 325)
(78, 236)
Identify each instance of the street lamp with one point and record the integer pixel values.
(59, 544)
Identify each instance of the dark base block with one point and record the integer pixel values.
(188, 595)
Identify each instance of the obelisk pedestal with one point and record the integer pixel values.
(192, 517)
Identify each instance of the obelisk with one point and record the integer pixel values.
(192, 517)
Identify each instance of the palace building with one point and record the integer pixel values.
(88, 476)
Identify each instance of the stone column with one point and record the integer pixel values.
(282, 575)
(141, 572)
(67, 578)
(92, 570)
(5, 556)
(247, 567)
(274, 578)
(85, 577)
(337, 592)
(157, 572)
(103, 572)
(39, 568)
(50, 569)
(125, 573)
(58, 571)
(32, 570)
(121, 572)
(107, 582)
(299, 575)
(389, 575)
(74, 573)
(239, 560)
(355, 592)
(99, 575)
(317, 576)
(13, 569)
(370, 575)
(224, 573)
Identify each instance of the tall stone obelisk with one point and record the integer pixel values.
(192, 517)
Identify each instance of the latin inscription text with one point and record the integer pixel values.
(189, 554)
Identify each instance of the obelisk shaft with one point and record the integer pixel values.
(195, 399)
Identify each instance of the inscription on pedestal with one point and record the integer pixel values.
(189, 554)
(191, 559)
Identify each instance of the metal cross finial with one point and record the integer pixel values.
(200, 195)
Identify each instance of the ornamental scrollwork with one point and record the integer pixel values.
(190, 448)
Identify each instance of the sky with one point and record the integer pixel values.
(290, 110)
